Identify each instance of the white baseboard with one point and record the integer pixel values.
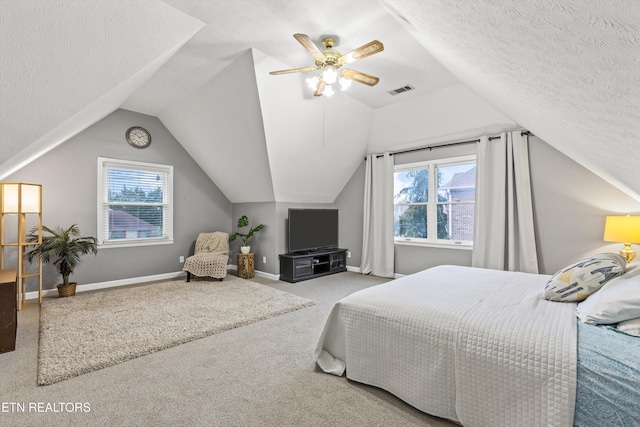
(277, 276)
(359, 270)
(258, 273)
(267, 275)
(155, 277)
(110, 284)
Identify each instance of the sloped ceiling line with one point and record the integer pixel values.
(566, 70)
(220, 125)
(314, 144)
(57, 79)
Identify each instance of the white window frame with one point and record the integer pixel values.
(104, 164)
(432, 226)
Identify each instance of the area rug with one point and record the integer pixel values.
(95, 330)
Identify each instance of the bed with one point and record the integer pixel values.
(477, 346)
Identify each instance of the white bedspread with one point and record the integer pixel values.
(478, 346)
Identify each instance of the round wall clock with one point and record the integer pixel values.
(138, 137)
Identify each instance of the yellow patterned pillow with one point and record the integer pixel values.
(579, 280)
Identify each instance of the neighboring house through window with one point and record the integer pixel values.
(434, 202)
(134, 203)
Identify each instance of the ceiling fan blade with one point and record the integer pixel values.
(319, 88)
(360, 77)
(310, 46)
(293, 70)
(368, 49)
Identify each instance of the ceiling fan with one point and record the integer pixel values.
(330, 61)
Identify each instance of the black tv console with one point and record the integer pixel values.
(295, 267)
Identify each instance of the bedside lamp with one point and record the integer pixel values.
(623, 229)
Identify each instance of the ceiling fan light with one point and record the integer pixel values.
(330, 75)
(312, 82)
(328, 91)
(344, 83)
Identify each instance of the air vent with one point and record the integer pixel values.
(401, 89)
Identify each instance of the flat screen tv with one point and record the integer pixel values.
(311, 229)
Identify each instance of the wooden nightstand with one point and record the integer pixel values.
(246, 265)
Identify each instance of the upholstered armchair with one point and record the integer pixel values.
(210, 256)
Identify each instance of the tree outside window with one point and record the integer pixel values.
(453, 183)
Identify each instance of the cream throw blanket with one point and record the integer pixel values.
(211, 255)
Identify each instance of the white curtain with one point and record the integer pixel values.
(377, 227)
(504, 237)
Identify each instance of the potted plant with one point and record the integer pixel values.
(243, 222)
(62, 248)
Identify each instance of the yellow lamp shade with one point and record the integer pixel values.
(622, 229)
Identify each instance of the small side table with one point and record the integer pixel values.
(246, 265)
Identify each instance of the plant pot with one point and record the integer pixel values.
(67, 290)
(245, 249)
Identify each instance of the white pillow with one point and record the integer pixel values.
(617, 301)
(631, 327)
(581, 279)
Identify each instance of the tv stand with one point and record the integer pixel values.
(298, 266)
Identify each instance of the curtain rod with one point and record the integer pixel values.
(448, 144)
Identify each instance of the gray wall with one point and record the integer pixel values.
(271, 241)
(570, 205)
(263, 243)
(408, 259)
(69, 177)
(350, 203)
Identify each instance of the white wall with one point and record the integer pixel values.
(314, 143)
(450, 114)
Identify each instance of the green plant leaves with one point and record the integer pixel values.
(243, 221)
(62, 248)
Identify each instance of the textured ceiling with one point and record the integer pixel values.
(298, 137)
(268, 26)
(67, 64)
(568, 70)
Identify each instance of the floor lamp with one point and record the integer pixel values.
(22, 201)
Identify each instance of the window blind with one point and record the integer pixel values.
(134, 202)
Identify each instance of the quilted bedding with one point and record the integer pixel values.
(608, 390)
(477, 346)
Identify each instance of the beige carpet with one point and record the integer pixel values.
(95, 330)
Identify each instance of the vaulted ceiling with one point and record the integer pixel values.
(569, 71)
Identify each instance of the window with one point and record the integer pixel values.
(134, 203)
(434, 202)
